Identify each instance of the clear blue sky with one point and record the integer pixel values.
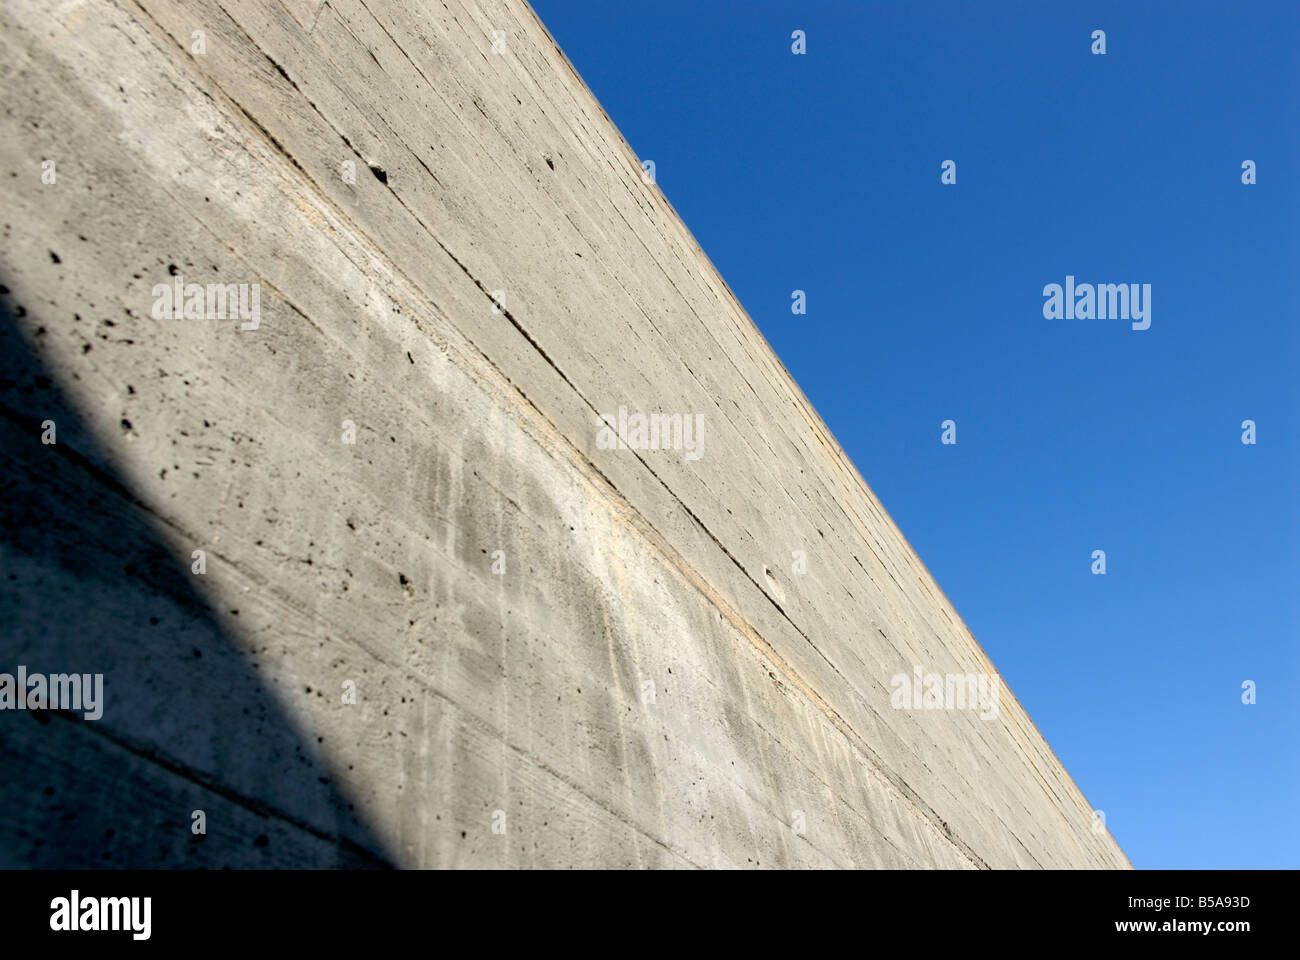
(822, 173)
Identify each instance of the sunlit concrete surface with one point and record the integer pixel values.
(460, 267)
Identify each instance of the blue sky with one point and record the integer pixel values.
(822, 173)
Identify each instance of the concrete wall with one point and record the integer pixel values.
(476, 431)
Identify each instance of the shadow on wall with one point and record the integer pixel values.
(88, 586)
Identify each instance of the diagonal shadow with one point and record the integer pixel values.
(87, 585)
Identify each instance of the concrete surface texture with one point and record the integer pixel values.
(368, 579)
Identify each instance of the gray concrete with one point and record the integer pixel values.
(476, 431)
